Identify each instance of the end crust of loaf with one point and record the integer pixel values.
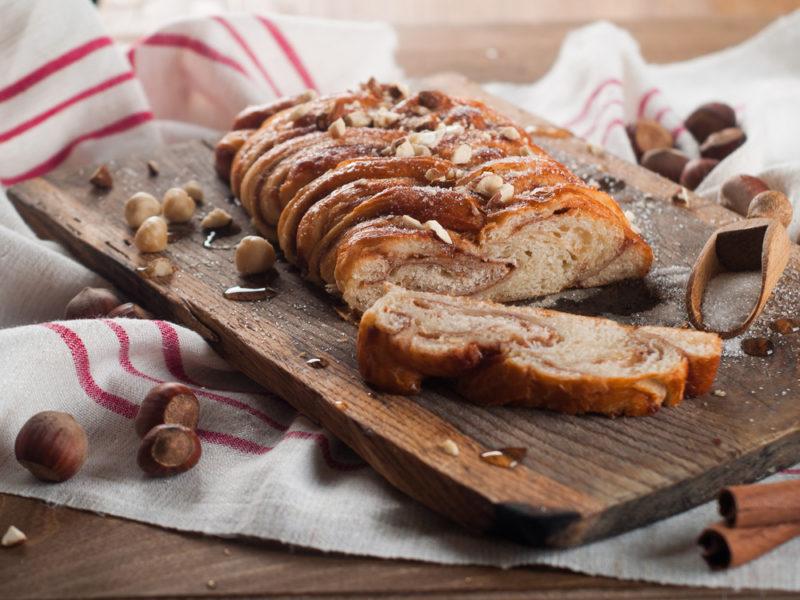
(525, 356)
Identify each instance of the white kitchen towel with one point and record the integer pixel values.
(68, 95)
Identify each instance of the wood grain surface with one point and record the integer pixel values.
(583, 478)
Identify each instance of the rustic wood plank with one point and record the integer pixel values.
(584, 477)
(76, 554)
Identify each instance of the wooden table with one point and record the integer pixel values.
(74, 554)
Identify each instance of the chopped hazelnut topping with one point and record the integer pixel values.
(404, 150)
(402, 89)
(434, 175)
(420, 150)
(510, 133)
(504, 194)
(527, 151)
(358, 118)
(299, 111)
(309, 94)
(337, 128)
(13, 537)
(425, 138)
(409, 220)
(216, 219)
(440, 231)
(462, 154)
(448, 446)
(384, 118)
(489, 185)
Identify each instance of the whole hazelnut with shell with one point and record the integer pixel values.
(52, 446)
(91, 303)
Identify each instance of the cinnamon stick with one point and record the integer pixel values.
(725, 547)
(760, 505)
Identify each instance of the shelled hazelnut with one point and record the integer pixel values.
(152, 235)
(254, 255)
(158, 268)
(91, 303)
(216, 219)
(167, 403)
(101, 178)
(738, 191)
(710, 118)
(696, 170)
(178, 206)
(771, 205)
(139, 207)
(52, 446)
(195, 191)
(168, 450)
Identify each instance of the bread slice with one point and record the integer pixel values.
(525, 356)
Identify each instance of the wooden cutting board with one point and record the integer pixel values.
(583, 478)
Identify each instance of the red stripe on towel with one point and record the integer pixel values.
(289, 51)
(56, 159)
(44, 116)
(178, 40)
(590, 100)
(249, 51)
(53, 66)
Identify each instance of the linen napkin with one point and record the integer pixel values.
(69, 95)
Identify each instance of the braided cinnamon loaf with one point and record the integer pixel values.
(531, 356)
(426, 191)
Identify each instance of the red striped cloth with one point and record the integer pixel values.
(86, 98)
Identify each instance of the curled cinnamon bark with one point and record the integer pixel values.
(760, 505)
(726, 547)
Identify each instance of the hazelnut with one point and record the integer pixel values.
(667, 162)
(438, 230)
(254, 255)
(178, 206)
(720, 144)
(647, 135)
(404, 149)
(709, 118)
(158, 268)
(695, 171)
(509, 133)
(167, 403)
(139, 207)
(195, 190)
(771, 205)
(152, 234)
(101, 178)
(429, 99)
(91, 303)
(737, 192)
(337, 128)
(152, 168)
(168, 450)
(216, 219)
(52, 446)
(13, 537)
(462, 154)
(129, 310)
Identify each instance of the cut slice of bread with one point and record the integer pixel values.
(528, 356)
